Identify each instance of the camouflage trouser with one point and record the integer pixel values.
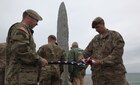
(78, 81)
(1, 76)
(50, 77)
(21, 77)
(109, 80)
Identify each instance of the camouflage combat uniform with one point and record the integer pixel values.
(2, 62)
(50, 74)
(77, 73)
(109, 49)
(21, 57)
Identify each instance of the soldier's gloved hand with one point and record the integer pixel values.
(43, 62)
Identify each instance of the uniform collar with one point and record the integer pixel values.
(105, 34)
(26, 26)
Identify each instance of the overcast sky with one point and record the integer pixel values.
(120, 15)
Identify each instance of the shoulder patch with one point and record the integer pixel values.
(23, 29)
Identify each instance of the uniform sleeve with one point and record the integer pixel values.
(21, 48)
(63, 58)
(89, 49)
(71, 55)
(41, 52)
(115, 56)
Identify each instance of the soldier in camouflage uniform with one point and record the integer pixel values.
(50, 74)
(77, 73)
(22, 60)
(105, 51)
(2, 62)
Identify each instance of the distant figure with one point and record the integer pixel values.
(2, 62)
(77, 73)
(50, 74)
(105, 51)
(22, 61)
